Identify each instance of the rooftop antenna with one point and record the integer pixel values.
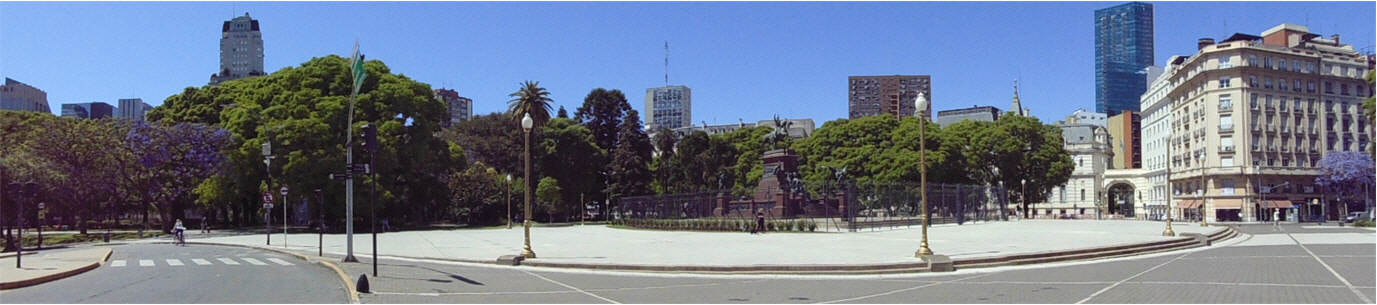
(666, 63)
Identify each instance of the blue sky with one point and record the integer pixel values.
(743, 60)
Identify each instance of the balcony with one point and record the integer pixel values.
(1226, 107)
(1224, 149)
(1257, 148)
(1254, 106)
(1226, 128)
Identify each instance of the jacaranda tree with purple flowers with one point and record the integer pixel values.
(1346, 176)
(169, 161)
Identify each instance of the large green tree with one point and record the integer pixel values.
(302, 111)
(631, 173)
(574, 160)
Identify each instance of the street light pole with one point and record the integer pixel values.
(508, 198)
(920, 104)
(285, 203)
(320, 209)
(1204, 190)
(1023, 196)
(267, 206)
(526, 123)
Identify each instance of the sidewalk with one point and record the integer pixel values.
(598, 244)
(49, 265)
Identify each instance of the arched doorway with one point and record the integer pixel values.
(1121, 196)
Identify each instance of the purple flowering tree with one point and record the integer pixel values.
(1344, 175)
(170, 161)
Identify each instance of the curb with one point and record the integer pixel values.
(57, 276)
(343, 277)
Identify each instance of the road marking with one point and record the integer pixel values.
(907, 289)
(571, 287)
(436, 294)
(1360, 294)
(117, 263)
(174, 262)
(1236, 284)
(227, 261)
(253, 261)
(1121, 282)
(279, 261)
(145, 262)
(200, 261)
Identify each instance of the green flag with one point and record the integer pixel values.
(356, 68)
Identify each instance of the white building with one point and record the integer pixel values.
(1090, 152)
(669, 107)
(18, 96)
(241, 50)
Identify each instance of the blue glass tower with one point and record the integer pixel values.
(1123, 48)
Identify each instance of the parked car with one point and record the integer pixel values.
(1357, 215)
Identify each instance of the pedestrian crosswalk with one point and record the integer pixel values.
(173, 262)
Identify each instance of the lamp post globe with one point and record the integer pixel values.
(526, 123)
(508, 198)
(920, 106)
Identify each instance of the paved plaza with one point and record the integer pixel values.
(600, 244)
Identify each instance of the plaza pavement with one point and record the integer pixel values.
(599, 244)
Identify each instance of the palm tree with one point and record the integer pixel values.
(533, 99)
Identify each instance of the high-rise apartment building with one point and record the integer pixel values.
(1123, 48)
(1259, 112)
(241, 50)
(669, 107)
(460, 108)
(92, 110)
(1125, 139)
(18, 96)
(132, 109)
(887, 94)
(1156, 132)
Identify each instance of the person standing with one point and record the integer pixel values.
(759, 222)
(1276, 220)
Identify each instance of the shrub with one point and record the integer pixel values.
(812, 226)
(1363, 223)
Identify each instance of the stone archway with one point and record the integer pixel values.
(1122, 196)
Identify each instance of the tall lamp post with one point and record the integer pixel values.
(508, 198)
(284, 216)
(267, 196)
(1204, 190)
(920, 105)
(1023, 196)
(320, 233)
(526, 123)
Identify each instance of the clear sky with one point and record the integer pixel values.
(743, 60)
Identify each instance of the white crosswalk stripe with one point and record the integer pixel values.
(227, 261)
(253, 261)
(145, 262)
(200, 261)
(117, 263)
(174, 262)
(279, 261)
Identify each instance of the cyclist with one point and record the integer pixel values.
(178, 230)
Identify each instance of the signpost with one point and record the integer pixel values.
(284, 216)
(267, 212)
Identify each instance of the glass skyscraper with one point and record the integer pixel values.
(1123, 48)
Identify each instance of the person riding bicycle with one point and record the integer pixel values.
(177, 231)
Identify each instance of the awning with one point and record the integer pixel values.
(1275, 204)
(1190, 204)
(1228, 204)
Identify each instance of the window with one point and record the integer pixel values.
(1252, 60)
(1267, 62)
(1343, 89)
(1224, 62)
(1226, 123)
(1328, 87)
(1297, 88)
(1281, 84)
(1224, 82)
(1226, 102)
(1226, 187)
(1281, 63)
(1310, 86)
(1082, 194)
(1226, 142)
(1267, 82)
(1252, 81)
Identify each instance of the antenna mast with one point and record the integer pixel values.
(666, 63)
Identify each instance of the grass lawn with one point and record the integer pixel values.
(31, 239)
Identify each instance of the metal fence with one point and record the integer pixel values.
(893, 204)
(852, 207)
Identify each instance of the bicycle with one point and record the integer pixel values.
(179, 237)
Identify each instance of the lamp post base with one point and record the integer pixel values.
(350, 259)
(527, 253)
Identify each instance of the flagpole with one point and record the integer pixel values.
(349, 162)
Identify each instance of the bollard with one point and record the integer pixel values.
(363, 284)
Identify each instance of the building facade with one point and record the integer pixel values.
(460, 108)
(18, 96)
(974, 113)
(1082, 116)
(887, 95)
(133, 109)
(1089, 147)
(1156, 132)
(798, 128)
(669, 107)
(93, 110)
(241, 50)
(1123, 48)
(1259, 112)
(1125, 131)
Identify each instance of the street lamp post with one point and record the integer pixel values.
(920, 110)
(1023, 196)
(526, 123)
(1204, 190)
(40, 225)
(320, 209)
(508, 198)
(267, 205)
(284, 216)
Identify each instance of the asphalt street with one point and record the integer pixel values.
(1264, 266)
(164, 273)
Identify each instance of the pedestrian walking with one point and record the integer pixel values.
(205, 228)
(759, 222)
(1276, 221)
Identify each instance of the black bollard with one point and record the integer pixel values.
(363, 284)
